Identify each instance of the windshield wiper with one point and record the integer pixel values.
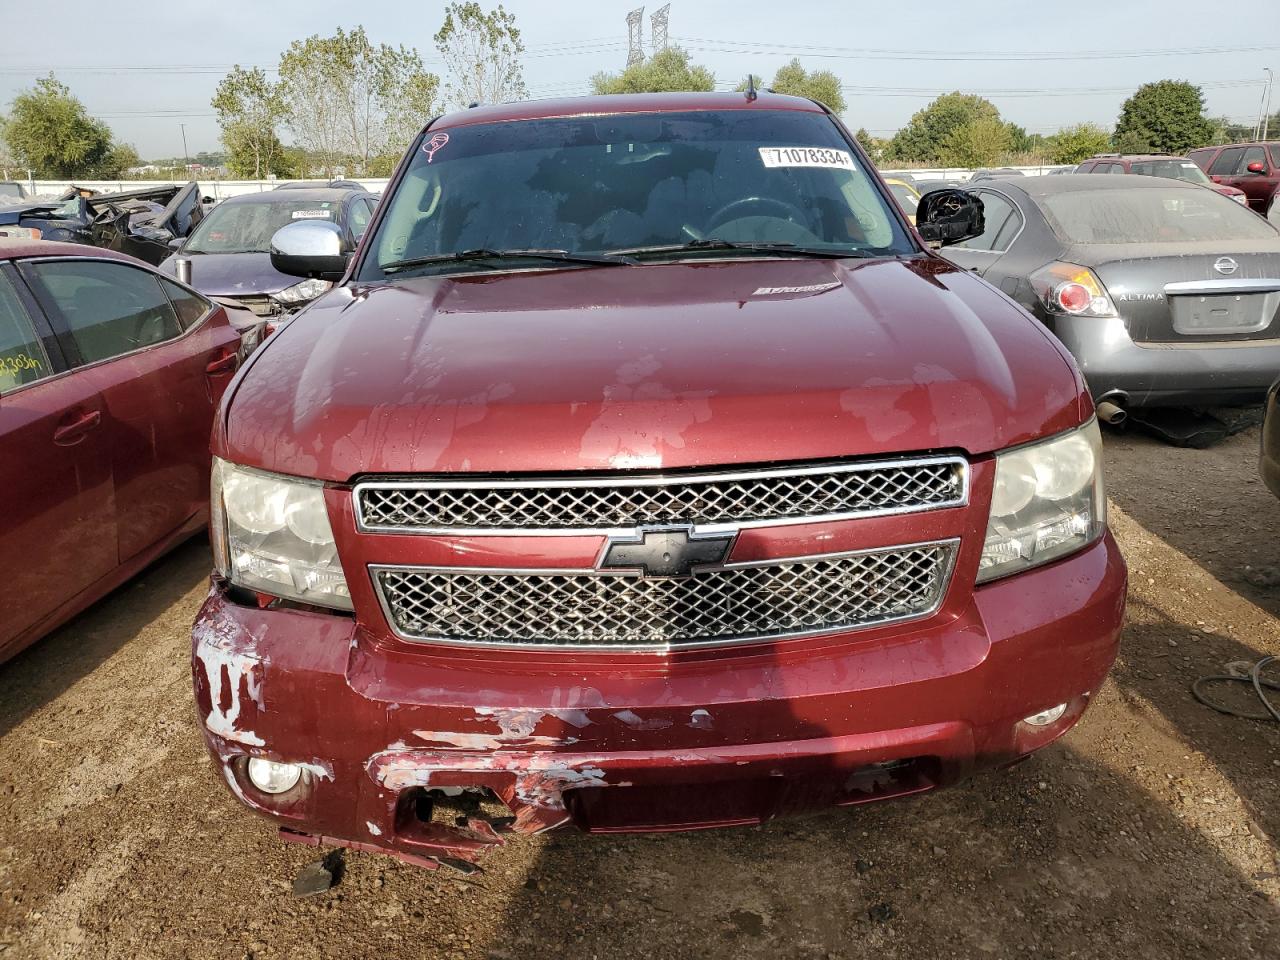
(483, 253)
(714, 243)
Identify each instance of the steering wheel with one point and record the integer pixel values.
(730, 210)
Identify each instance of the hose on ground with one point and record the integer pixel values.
(1253, 676)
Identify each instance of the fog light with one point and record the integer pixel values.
(1043, 718)
(271, 777)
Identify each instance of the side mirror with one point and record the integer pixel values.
(175, 243)
(311, 249)
(1257, 167)
(945, 217)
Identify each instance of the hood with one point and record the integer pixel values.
(14, 212)
(231, 274)
(649, 367)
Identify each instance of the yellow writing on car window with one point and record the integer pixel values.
(19, 363)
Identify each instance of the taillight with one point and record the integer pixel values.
(1068, 288)
(20, 233)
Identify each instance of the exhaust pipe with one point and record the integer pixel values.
(1111, 410)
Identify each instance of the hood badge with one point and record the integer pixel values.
(665, 551)
(1225, 266)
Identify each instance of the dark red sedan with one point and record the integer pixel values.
(109, 377)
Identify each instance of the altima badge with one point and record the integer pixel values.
(665, 551)
(1225, 266)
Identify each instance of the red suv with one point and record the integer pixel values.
(1158, 165)
(1251, 167)
(643, 470)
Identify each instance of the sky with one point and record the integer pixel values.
(148, 68)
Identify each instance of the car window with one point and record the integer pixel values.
(1086, 167)
(1227, 162)
(906, 198)
(22, 356)
(110, 309)
(997, 211)
(1253, 155)
(1172, 214)
(1201, 157)
(1275, 156)
(1117, 168)
(1176, 169)
(248, 226)
(358, 218)
(598, 184)
(189, 305)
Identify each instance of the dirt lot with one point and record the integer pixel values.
(1149, 831)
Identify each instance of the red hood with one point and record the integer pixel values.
(657, 366)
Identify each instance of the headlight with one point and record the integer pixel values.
(1048, 501)
(302, 292)
(272, 533)
(20, 233)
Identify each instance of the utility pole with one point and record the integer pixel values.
(635, 41)
(186, 157)
(1266, 107)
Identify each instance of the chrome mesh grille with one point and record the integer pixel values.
(784, 495)
(743, 602)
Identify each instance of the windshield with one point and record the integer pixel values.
(248, 227)
(1161, 215)
(593, 185)
(1173, 169)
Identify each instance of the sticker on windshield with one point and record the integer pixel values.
(312, 214)
(806, 157)
(437, 141)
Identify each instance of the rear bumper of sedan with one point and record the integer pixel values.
(433, 756)
(1226, 373)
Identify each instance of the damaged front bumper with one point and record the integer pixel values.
(437, 757)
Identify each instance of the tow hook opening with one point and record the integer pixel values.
(453, 806)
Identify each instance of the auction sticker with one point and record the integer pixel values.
(312, 214)
(806, 157)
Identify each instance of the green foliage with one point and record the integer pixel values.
(980, 142)
(932, 133)
(820, 85)
(1026, 143)
(666, 71)
(119, 158)
(1079, 142)
(482, 51)
(1164, 117)
(250, 111)
(867, 141)
(49, 132)
(349, 101)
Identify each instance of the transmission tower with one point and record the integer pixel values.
(635, 53)
(658, 28)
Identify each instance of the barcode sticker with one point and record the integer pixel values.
(806, 157)
(311, 214)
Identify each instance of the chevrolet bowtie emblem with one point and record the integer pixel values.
(666, 551)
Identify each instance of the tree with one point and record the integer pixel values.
(1166, 116)
(666, 71)
(349, 101)
(482, 51)
(119, 158)
(1080, 142)
(924, 138)
(250, 111)
(49, 132)
(978, 143)
(867, 142)
(820, 85)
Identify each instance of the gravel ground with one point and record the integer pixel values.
(1149, 831)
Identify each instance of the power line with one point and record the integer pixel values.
(875, 53)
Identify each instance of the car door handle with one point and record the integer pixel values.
(73, 431)
(223, 364)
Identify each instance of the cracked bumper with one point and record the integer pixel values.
(675, 744)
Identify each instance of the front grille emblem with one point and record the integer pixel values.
(665, 551)
(1225, 266)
